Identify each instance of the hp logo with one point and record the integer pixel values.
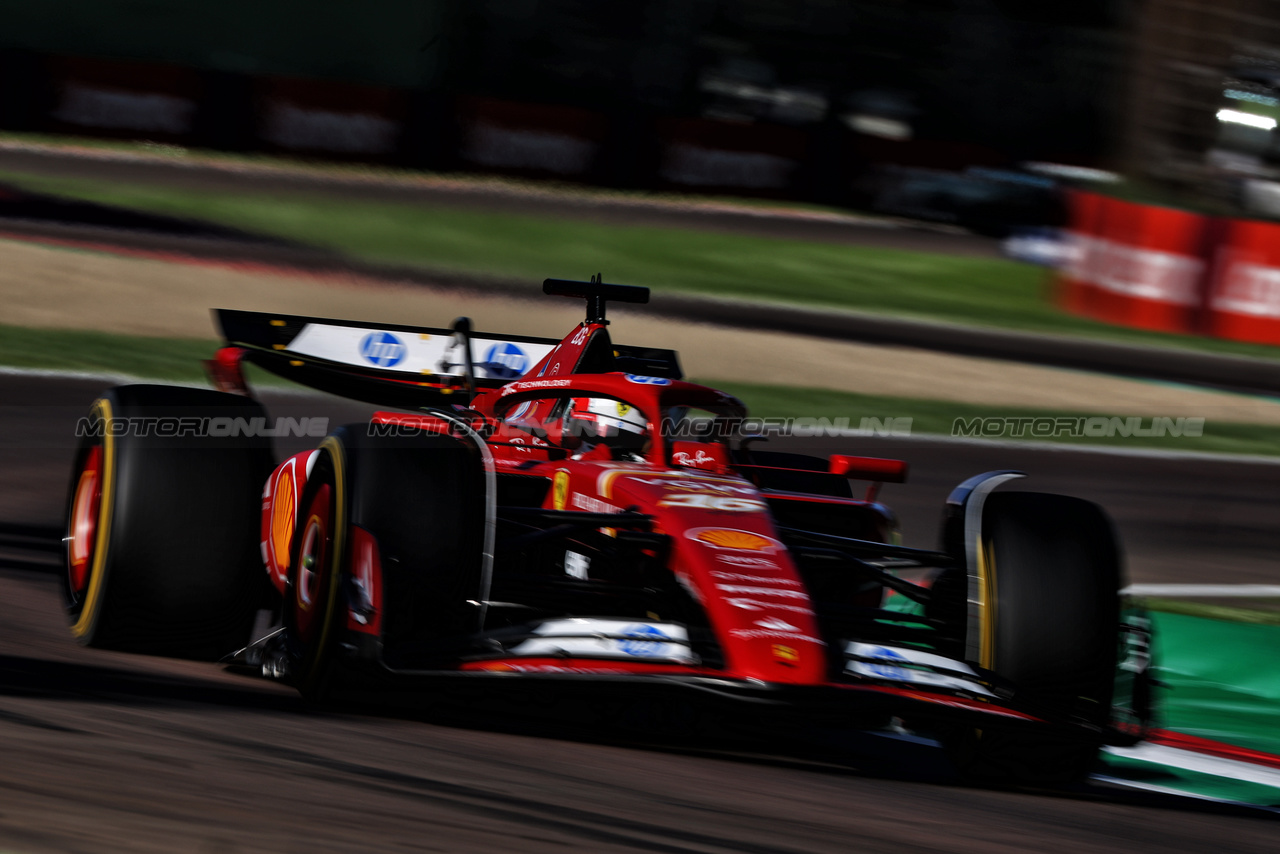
(884, 667)
(505, 361)
(641, 640)
(642, 380)
(382, 349)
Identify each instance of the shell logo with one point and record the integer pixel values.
(282, 513)
(727, 538)
(785, 654)
(560, 490)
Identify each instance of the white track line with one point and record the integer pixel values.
(1257, 591)
(51, 373)
(1165, 790)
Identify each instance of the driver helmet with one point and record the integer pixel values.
(602, 420)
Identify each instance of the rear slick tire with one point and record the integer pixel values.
(421, 499)
(1052, 574)
(162, 551)
(315, 564)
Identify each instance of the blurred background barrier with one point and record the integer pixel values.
(123, 99)
(711, 155)
(1243, 300)
(802, 100)
(536, 140)
(805, 99)
(302, 116)
(1135, 265)
(999, 119)
(1159, 268)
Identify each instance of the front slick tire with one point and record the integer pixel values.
(1051, 571)
(162, 524)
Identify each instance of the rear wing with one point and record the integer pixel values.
(400, 366)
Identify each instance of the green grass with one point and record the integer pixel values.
(179, 360)
(532, 248)
(175, 359)
(975, 291)
(1257, 616)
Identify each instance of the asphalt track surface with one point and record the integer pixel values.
(111, 752)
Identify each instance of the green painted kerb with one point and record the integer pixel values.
(1222, 678)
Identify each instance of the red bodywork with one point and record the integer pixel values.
(724, 547)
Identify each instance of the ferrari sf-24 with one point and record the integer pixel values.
(574, 513)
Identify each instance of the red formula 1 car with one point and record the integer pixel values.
(573, 513)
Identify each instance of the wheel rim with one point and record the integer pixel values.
(313, 554)
(83, 524)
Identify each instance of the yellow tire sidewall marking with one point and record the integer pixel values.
(987, 590)
(85, 623)
(339, 522)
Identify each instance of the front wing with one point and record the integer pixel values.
(868, 677)
(939, 696)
